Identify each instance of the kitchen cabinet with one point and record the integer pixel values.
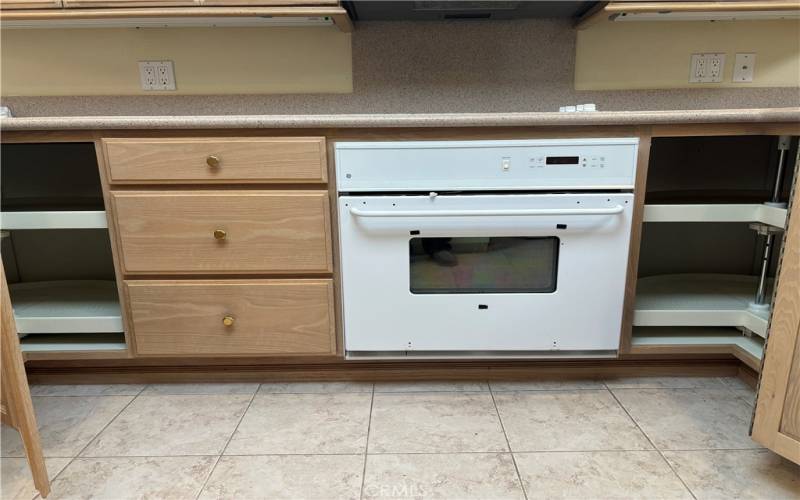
(16, 408)
(714, 216)
(232, 264)
(209, 160)
(776, 424)
(30, 4)
(171, 13)
(223, 232)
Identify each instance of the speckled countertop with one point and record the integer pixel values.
(403, 120)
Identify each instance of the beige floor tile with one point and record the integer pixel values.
(87, 390)
(732, 474)
(599, 474)
(735, 383)
(303, 423)
(746, 395)
(567, 421)
(16, 481)
(66, 424)
(690, 419)
(178, 389)
(327, 477)
(160, 478)
(545, 385)
(665, 383)
(444, 386)
(458, 476)
(171, 426)
(438, 422)
(314, 387)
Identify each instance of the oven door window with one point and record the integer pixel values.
(507, 264)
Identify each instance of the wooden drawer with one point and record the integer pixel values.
(173, 232)
(30, 4)
(216, 160)
(184, 317)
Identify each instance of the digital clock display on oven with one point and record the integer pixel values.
(562, 160)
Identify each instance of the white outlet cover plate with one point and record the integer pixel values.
(157, 75)
(744, 68)
(707, 67)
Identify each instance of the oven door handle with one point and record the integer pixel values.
(618, 209)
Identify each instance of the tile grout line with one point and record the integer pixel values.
(78, 455)
(366, 446)
(660, 453)
(228, 442)
(508, 443)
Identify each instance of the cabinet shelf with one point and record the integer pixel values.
(745, 212)
(699, 300)
(70, 306)
(669, 338)
(74, 219)
(77, 343)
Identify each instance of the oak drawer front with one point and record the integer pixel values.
(175, 232)
(182, 317)
(216, 160)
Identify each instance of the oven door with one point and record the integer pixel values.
(483, 274)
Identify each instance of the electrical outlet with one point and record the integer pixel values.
(707, 67)
(744, 68)
(157, 75)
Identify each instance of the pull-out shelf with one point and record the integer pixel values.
(752, 212)
(72, 219)
(70, 306)
(699, 300)
(682, 339)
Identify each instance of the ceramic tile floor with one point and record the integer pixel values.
(625, 438)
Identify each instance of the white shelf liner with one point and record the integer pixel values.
(699, 300)
(707, 336)
(765, 214)
(88, 219)
(74, 342)
(70, 306)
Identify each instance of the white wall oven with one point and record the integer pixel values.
(484, 248)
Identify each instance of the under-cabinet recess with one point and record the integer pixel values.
(56, 249)
(714, 215)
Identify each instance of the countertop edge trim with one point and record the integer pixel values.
(404, 120)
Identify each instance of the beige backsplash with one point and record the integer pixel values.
(431, 67)
(207, 60)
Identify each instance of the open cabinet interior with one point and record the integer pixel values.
(715, 210)
(56, 249)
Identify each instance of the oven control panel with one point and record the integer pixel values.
(525, 165)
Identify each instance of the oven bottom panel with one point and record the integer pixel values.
(477, 355)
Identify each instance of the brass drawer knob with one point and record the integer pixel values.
(220, 234)
(213, 161)
(228, 320)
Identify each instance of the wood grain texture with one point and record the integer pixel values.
(182, 317)
(16, 397)
(241, 160)
(30, 4)
(172, 232)
(640, 187)
(127, 3)
(156, 12)
(210, 369)
(776, 424)
(115, 256)
(790, 421)
(694, 6)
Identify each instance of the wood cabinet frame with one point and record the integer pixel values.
(645, 133)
